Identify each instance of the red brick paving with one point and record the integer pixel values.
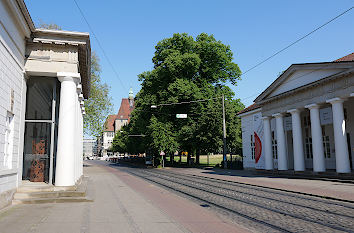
(187, 213)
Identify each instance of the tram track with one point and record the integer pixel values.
(257, 208)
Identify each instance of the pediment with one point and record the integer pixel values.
(300, 75)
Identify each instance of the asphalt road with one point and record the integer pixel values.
(258, 209)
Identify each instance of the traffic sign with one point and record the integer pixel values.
(181, 115)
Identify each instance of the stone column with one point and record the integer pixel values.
(81, 136)
(282, 156)
(76, 137)
(317, 140)
(78, 131)
(299, 160)
(267, 138)
(340, 136)
(65, 161)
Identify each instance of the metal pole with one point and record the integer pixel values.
(52, 128)
(224, 129)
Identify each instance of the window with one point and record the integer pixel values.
(308, 144)
(307, 121)
(9, 134)
(274, 146)
(252, 147)
(326, 143)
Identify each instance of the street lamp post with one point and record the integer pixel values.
(224, 129)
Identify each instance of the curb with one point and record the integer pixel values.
(280, 189)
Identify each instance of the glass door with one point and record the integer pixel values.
(40, 127)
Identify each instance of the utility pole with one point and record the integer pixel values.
(224, 129)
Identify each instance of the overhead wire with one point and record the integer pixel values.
(253, 67)
(99, 44)
(291, 44)
(298, 40)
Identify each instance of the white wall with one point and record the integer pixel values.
(247, 124)
(12, 50)
(107, 140)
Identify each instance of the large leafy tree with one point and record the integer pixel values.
(188, 70)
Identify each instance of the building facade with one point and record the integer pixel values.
(108, 135)
(114, 123)
(89, 147)
(45, 76)
(304, 120)
(124, 113)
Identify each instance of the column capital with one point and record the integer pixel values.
(312, 106)
(295, 110)
(278, 115)
(266, 118)
(335, 100)
(67, 76)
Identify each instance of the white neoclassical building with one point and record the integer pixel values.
(304, 120)
(44, 79)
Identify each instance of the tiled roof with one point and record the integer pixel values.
(249, 108)
(349, 57)
(109, 123)
(125, 110)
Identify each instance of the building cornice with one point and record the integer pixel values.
(259, 109)
(307, 86)
(26, 14)
(81, 40)
(302, 66)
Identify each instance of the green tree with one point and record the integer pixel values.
(99, 104)
(187, 70)
(162, 137)
(120, 141)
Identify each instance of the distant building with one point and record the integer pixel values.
(115, 122)
(124, 113)
(108, 135)
(90, 147)
(304, 120)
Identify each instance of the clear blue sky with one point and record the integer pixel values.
(129, 31)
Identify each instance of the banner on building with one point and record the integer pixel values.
(258, 141)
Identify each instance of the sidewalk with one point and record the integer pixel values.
(326, 189)
(122, 203)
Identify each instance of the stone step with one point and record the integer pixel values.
(51, 200)
(32, 193)
(53, 194)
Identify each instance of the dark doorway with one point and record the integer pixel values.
(40, 129)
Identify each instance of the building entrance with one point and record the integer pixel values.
(40, 139)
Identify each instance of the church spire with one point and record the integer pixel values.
(131, 94)
(131, 98)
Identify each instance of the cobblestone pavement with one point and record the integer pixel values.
(259, 209)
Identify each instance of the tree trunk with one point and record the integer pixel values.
(197, 157)
(172, 158)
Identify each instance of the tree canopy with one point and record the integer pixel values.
(186, 70)
(99, 104)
